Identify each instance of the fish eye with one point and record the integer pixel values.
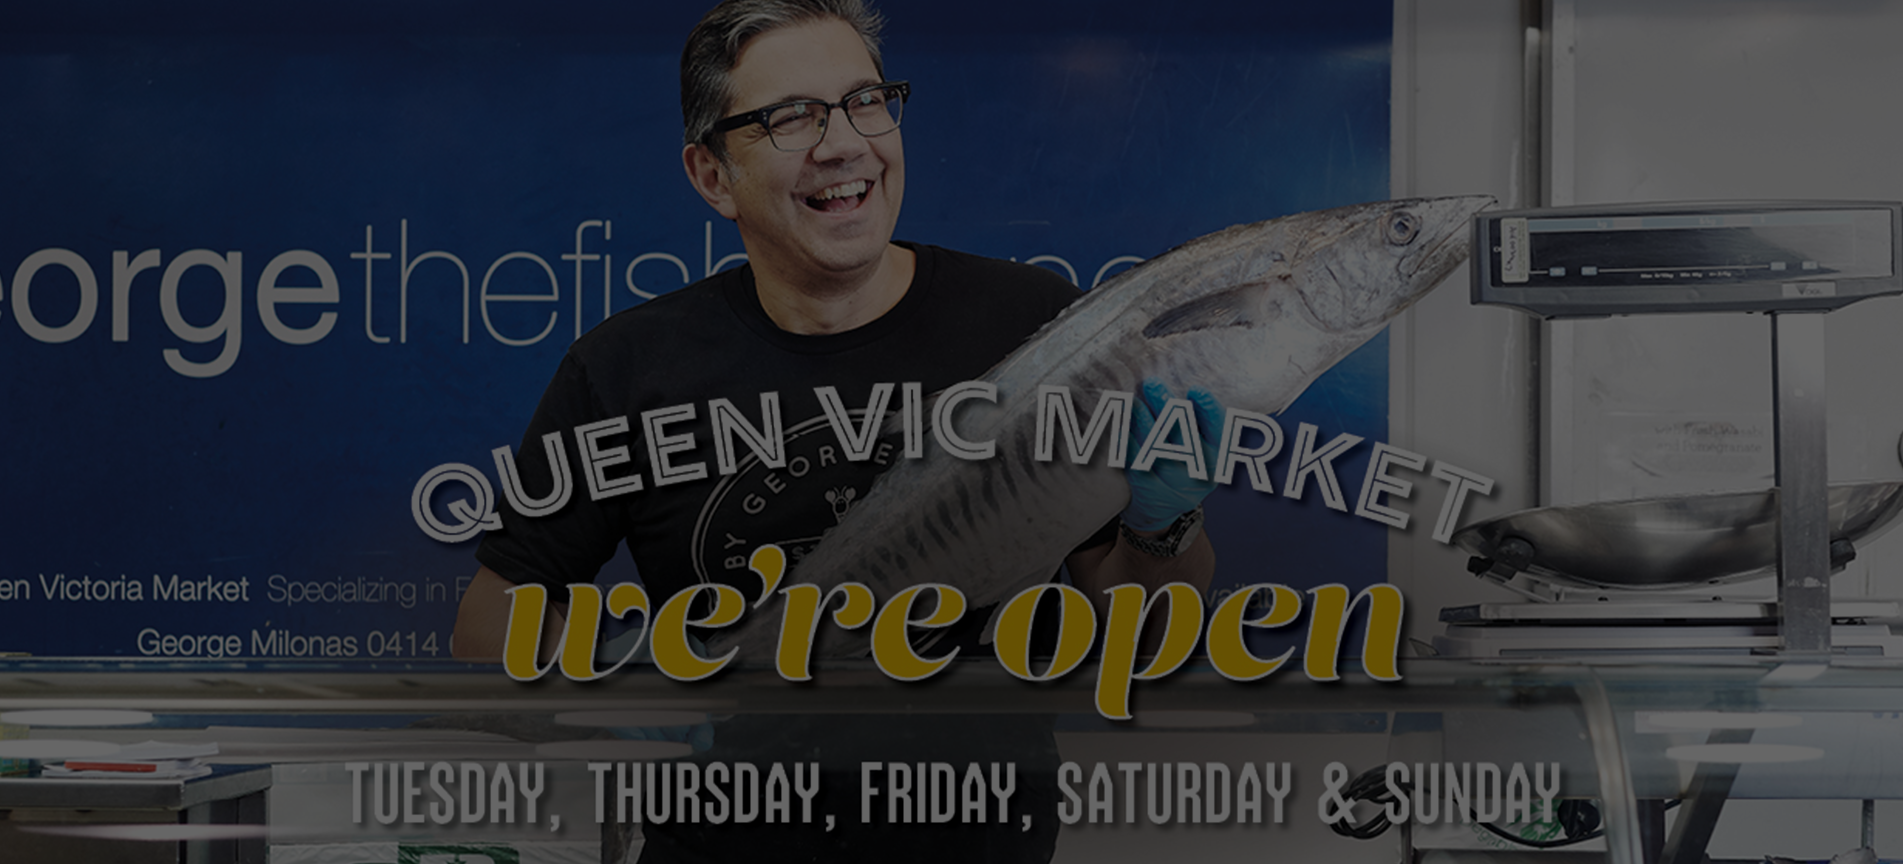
(1403, 227)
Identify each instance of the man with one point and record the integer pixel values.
(791, 133)
(826, 299)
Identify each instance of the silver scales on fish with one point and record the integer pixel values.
(1252, 314)
(1683, 575)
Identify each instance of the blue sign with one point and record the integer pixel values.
(265, 266)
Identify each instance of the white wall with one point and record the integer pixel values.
(1718, 99)
(1694, 99)
(1699, 99)
(1460, 373)
(1723, 99)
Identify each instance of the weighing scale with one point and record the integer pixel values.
(1648, 577)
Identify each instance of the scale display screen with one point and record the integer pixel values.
(1692, 257)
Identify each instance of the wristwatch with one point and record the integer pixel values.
(1170, 543)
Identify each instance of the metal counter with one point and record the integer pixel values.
(1607, 723)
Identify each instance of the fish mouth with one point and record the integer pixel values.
(840, 197)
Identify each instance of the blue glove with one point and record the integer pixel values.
(1165, 492)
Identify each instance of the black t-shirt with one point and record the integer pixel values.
(712, 341)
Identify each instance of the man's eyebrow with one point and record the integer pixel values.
(856, 86)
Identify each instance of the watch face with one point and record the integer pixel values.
(1182, 532)
(1186, 530)
(1192, 522)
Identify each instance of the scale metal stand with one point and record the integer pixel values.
(1797, 409)
(1792, 260)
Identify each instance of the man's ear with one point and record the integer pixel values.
(709, 176)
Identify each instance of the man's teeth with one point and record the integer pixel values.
(843, 190)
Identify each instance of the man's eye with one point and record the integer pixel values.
(790, 117)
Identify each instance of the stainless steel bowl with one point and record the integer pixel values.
(1656, 543)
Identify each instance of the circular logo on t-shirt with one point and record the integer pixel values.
(792, 506)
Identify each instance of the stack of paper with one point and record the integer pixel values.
(152, 760)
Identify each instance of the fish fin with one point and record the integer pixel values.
(1235, 307)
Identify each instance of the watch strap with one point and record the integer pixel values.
(1170, 543)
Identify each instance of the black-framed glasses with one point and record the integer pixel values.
(800, 125)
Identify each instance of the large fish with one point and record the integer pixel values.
(1252, 314)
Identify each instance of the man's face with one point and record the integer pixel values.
(828, 210)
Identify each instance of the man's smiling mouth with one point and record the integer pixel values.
(843, 196)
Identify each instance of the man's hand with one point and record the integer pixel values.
(1157, 499)
(1161, 495)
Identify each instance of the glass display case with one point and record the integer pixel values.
(401, 761)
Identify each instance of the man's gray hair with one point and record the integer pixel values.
(714, 47)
